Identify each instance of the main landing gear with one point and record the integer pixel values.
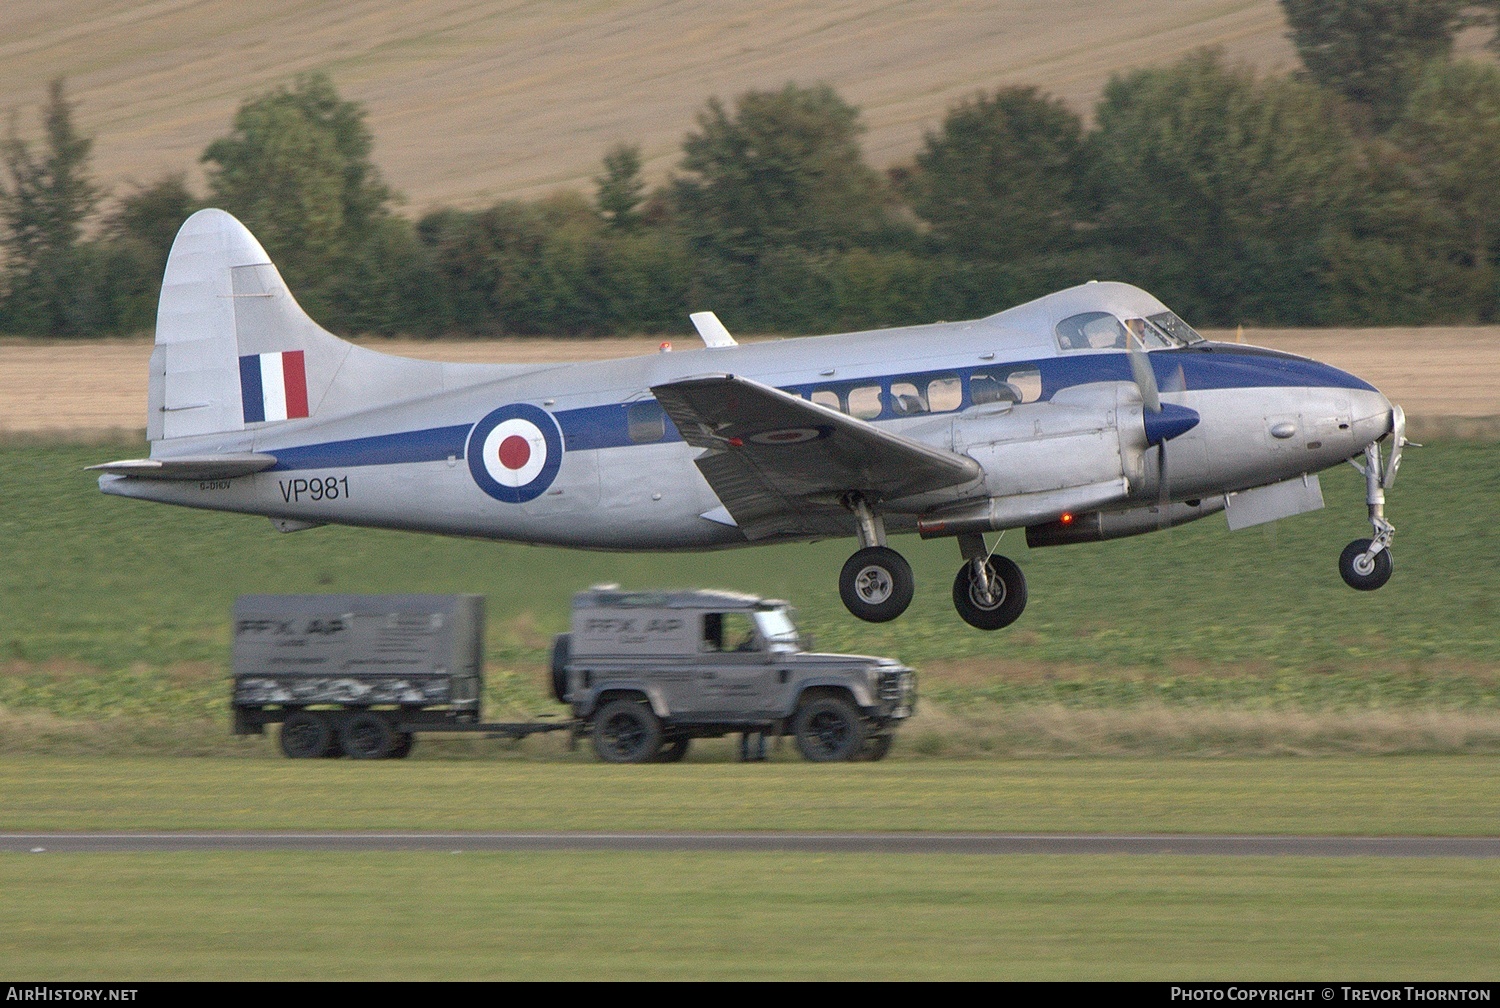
(1366, 564)
(876, 583)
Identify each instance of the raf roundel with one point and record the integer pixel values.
(514, 453)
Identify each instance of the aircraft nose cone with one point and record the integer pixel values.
(1372, 415)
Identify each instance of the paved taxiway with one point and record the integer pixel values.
(822, 843)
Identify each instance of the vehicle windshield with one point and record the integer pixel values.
(1176, 330)
(777, 628)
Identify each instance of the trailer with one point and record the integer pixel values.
(361, 675)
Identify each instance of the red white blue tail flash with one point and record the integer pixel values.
(273, 386)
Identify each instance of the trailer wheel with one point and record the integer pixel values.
(367, 736)
(626, 732)
(829, 729)
(306, 735)
(402, 746)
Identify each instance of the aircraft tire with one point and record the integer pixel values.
(307, 735)
(995, 613)
(876, 584)
(1354, 573)
(367, 736)
(829, 729)
(626, 732)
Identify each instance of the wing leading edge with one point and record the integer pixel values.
(781, 465)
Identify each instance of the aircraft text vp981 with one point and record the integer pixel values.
(1088, 414)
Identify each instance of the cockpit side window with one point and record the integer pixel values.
(1174, 328)
(1090, 331)
(1145, 334)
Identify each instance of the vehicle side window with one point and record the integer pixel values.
(945, 394)
(906, 400)
(732, 631)
(864, 402)
(1090, 331)
(829, 398)
(646, 422)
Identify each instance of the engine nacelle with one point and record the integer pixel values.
(1096, 526)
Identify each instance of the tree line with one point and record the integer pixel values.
(1362, 189)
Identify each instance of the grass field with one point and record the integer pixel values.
(1435, 796)
(743, 916)
(113, 609)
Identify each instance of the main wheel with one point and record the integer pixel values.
(307, 735)
(626, 732)
(1004, 603)
(1364, 573)
(876, 584)
(829, 729)
(367, 736)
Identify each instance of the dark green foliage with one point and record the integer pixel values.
(621, 188)
(1219, 190)
(45, 198)
(1373, 51)
(1001, 180)
(783, 171)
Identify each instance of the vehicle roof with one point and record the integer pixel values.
(692, 598)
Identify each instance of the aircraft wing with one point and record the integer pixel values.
(781, 464)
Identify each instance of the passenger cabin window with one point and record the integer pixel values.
(906, 400)
(646, 422)
(945, 394)
(864, 402)
(829, 398)
(1018, 385)
(733, 631)
(1091, 331)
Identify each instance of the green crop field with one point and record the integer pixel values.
(116, 613)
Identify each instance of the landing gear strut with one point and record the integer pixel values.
(876, 583)
(989, 591)
(1366, 564)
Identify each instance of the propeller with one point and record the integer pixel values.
(1162, 421)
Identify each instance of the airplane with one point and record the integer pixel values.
(1088, 414)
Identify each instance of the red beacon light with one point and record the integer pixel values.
(1066, 518)
(666, 347)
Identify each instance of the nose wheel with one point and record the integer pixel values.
(1366, 564)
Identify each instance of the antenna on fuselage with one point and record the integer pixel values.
(711, 329)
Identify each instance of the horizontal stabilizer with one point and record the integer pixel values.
(191, 467)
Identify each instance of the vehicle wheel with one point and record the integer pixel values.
(673, 750)
(306, 735)
(876, 584)
(1364, 573)
(829, 729)
(626, 732)
(401, 748)
(562, 648)
(1005, 603)
(367, 736)
(876, 748)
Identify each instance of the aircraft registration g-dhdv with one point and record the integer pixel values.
(1084, 415)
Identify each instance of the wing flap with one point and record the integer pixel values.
(780, 463)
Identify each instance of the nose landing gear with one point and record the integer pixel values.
(1366, 564)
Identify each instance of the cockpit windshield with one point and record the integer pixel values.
(1103, 331)
(777, 628)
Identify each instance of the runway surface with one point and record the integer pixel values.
(821, 843)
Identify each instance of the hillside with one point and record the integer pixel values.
(475, 100)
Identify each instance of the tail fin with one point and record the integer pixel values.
(234, 350)
(233, 347)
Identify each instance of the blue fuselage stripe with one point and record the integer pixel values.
(593, 427)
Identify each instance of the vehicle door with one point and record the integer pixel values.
(734, 680)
